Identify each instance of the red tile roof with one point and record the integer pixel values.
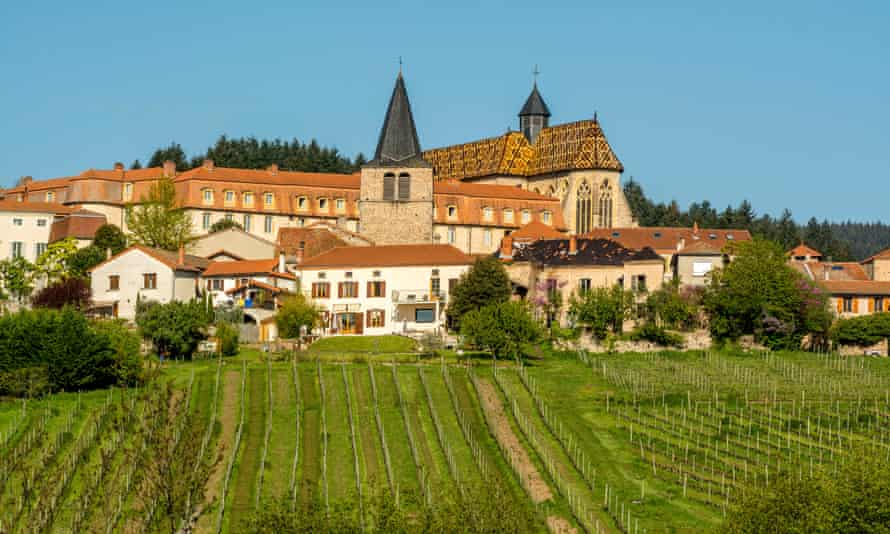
(239, 267)
(388, 256)
(856, 287)
(453, 187)
(837, 270)
(82, 224)
(168, 258)
(34, 207)
(882, 255)
(40, 185)
(536, 230)
(257, 284)
(803, 250)
(270, 177)
(313, 241)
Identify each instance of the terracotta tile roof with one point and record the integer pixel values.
(239, 267)
(571, 146)
(856, 287)
(535, 231)
(667, 240)
(40, 185)
(470, 199)
(704, 248)
(453, 187)
(34, 207)
(313, 241)
(388, 256)
(82, 224)
(555, 252)
(168, 258)
(272, 177)
(882, 255)
(803, 250)
(122, 175)
(256, 284)
(837, 271)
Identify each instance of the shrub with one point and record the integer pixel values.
(73, 292)
(502, 328)
(109, 236)
(85, 259)
(486, 282)
(296, 314)
(174, 328)
(863, 331)
(227, 336)
(602, 309)
(125, 345)
(673, 308)
(653, 333)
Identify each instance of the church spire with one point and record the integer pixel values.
(398, 144)
(534, 115)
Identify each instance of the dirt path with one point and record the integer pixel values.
(559, 525)
(228, 418)
(537, 487)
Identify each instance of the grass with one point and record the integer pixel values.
(283, 438)
(346, 345)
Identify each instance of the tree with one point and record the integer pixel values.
(85, 259)
(17, 277)
(227, 337)
(602, 309)
(224, 224)
(158, 220)
(486, 282)
(863, 331)
(502, 328)
(53, 264)
(670, 307)
(296, 315)
(73, 292)
(174, 153)
(175, 328)
(109, 236)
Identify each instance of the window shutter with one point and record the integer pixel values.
(871, 305)
(404, 187)
(382, 289)
(886, 304)
(840, 304)
(382, 317)
(855, 305)
(389, 187)
(368, 292)
(340, 290)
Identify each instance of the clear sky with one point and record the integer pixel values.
(783, 103)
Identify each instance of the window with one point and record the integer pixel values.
(508, 215)
(321, 290)
(340, 205)
(435, 286)
(18, 249)
(347, 290)
(322, 276)
(452, 235)
(526, 216)
(638, 283)
(247, 199)
(150, 281)
(269, 200)
(452, 283)
(16, 222)
(50, 196)
(347, 274)
(546, 217)
(302, 203)
(216, 284)
(848, 304)
(267, 224)
(701, 268)
(230, 197)
(389, 186)
(486, 237)
(878, 304)
(376, 289)
(424, 315)
(39, 249)
(243, 282)
(128, 191)
(584, 285)
(41, 222)
(376, 274)
(208, 196)
(114, 282)
(376, 318)
(583, 209)
(404, 186)
(323, 204)
(605, 205)
(205, 221)
(452, 212)
(487, 213)
(230, 217)
(246, 222)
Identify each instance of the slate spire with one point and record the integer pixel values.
(534, 104)
(398, 145)
(534, 115)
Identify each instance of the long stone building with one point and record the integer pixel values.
(566, 177)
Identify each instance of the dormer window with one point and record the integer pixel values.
(302, 203)
(208, 196)
(526, 216)
(452, 212)
(508, 215)
(128, 191)
(268, 200)
(323, 204)
(340, 205)
(247, 199)
(547, 217)
(487, 213)
(50, 196)
(229, 197)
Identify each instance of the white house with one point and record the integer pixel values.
(232, 244)
(253, 283)
(383, 289)
(144, 273)
(25, 227)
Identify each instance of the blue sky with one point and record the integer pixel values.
(782, 103)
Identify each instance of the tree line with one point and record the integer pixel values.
(252, 153)
(846, 241)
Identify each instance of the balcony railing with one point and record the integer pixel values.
(417, 296)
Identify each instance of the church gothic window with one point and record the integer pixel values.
(605, 206)
(583, 209)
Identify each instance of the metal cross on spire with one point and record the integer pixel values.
(400, 64)
(535, 73)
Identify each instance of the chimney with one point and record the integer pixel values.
(169, 168)
(208, 164)
(118, 166)
(695, 227)
(271, 168)
(181, 254)
(281, 268)
(573, 245)
(681, 243)
(507, 248)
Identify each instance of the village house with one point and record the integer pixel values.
(249, 283)
(232, 244)
(383, 289)
(25, 227)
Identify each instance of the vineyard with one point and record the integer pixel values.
(578, 442)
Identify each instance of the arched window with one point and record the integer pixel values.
(487, 213)
(404, 186)
(389, 186)
(605, 205)
(583, 209)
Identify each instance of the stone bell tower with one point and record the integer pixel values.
(396, 202)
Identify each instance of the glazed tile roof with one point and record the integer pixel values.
(388, 256)
(564, 147)
(555, 252)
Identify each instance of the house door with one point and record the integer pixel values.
(348, 323)
(114, 310)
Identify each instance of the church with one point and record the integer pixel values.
(565, 177)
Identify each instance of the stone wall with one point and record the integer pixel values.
(395, 223)
(856, 350)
